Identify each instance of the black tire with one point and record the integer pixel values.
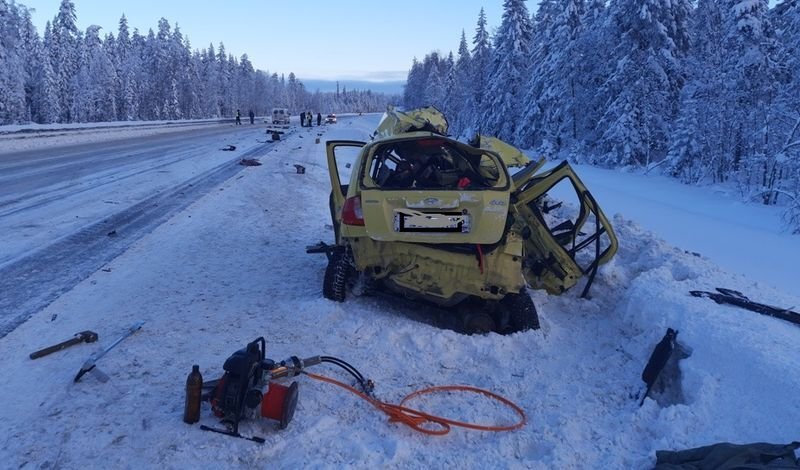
(478, 323)
(522, 315)
(334, 285)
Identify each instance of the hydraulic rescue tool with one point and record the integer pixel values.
(248, 389)
(736, 298)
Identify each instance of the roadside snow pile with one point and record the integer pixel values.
(232, 267)
(20, 138)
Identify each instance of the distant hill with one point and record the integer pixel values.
(388, 87)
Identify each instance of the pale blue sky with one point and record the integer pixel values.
(341, 39)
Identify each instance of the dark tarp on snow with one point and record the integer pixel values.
(726, 456)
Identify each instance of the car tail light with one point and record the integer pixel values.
(351, 212)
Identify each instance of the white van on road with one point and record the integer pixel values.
(280, 116)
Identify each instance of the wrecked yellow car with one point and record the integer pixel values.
(425, 216)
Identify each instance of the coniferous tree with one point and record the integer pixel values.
(533, 106)
(414, 91)
(12, 71)
(29, 53)
(64, 60)
(787, 22)
(94, 98)
(46, 104)
(754, 75)
(644, 88)
(68, 76)
(481, 66)
(557, 81)
(703, 132)
(435, 73)
(459, 90)
(502, 110)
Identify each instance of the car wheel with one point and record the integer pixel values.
(521, 311)
(334, 285)
(478, 323)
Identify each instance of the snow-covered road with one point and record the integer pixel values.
(231, 267)
(68, 210)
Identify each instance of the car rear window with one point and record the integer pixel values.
(434, 163)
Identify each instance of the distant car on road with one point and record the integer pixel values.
(280, 116)
(330, 119)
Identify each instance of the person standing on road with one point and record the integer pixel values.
(303, 119)
(238, 118)
(252, 117)
(319, 119)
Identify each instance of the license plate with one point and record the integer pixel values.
(414, 221)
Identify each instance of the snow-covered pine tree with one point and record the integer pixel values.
(223, 84)
(435, 68)
(557, 81)
(643, 91)
(46, 104)
(533, 107)
(29, 51)
(94, 98)
(459, 90)
(481, 66)
(180, 58)
(448, 83)
(12, 69)
(502, 106)
(414, 90)
(64, 55)
(245, 84)
(126, 62)
(754, 78)
(701, 137)
(786, 17)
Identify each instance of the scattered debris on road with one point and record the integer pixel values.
(301, 170)
(249, 162)
(228, 148)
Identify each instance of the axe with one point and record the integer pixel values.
(83, 336)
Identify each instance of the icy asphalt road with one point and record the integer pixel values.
(65, 211)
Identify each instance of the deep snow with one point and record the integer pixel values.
(232, 267)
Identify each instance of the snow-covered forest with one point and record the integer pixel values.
(68, 75)
(707, 91)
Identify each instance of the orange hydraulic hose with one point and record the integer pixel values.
(415, 419)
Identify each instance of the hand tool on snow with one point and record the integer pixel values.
(736, 298)
(89, 365)
(82, 337)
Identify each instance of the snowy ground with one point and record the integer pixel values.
(232, 267)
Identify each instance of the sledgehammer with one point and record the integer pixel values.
(83, 336)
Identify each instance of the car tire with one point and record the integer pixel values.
(478, 323)
(522, 315)
(334, 285)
